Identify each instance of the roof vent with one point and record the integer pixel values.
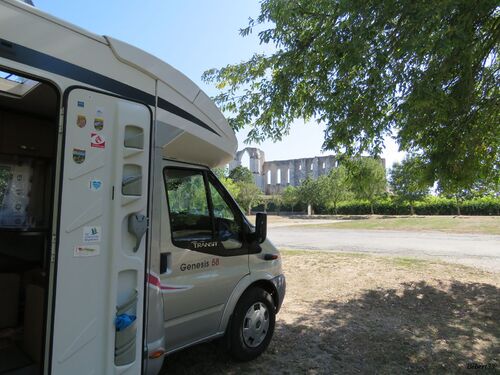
(14, 85)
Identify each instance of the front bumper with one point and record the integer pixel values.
(280, 285)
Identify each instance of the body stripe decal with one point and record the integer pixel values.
(40, 60)
(156, 282)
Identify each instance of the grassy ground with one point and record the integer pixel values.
(453, 224)
(459, 224)
(353, 313)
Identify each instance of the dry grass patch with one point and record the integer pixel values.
(351, 313)
(452, 224)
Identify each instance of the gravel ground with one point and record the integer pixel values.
(477, 250)
(362, 314)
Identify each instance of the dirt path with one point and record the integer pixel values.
(351, 314)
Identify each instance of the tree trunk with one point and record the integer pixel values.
(309, 210)
(249, 209)
(412, 211)
(335, 208)
(371, 208)
(458, 205)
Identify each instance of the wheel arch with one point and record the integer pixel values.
(264, 282)
(269, 287)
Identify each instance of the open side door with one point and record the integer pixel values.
(101, 253)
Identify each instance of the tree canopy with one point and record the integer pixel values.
(290, 196)
(311, 192)
(232, 187)
(337, 188)
(407, 182)
(241, 174)
(426, 72)
(248, 195)
(367, 179)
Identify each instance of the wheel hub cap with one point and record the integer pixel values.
(256, 324)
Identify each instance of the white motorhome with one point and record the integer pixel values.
(118, 245)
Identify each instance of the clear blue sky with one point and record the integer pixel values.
(191, 35)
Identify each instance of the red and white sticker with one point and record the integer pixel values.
(86, 251)
(97, 140)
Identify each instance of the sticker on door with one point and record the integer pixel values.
(86, 250)
(97, 140)
(95, 184)
(91, 234)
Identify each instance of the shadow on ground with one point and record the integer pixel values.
(417, 328)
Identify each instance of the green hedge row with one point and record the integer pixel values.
(430, 206)
(271, 207)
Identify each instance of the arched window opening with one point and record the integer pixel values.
(245, 160)
(278, 178)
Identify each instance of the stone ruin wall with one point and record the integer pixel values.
(273, 176)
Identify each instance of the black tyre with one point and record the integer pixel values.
(252, 325)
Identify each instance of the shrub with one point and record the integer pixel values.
(429, 206)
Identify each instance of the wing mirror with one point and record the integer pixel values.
(260, 227)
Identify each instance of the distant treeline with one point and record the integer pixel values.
(428, 206)
(360, 186)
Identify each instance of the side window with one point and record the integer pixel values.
(201, 216)
(227, 227)
(188, 205)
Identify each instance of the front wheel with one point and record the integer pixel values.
(252, 325)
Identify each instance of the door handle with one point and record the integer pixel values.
(137, 226)
(165, 261)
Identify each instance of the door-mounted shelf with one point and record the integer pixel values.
(134, 137)
(126, 334)
(132, 180)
